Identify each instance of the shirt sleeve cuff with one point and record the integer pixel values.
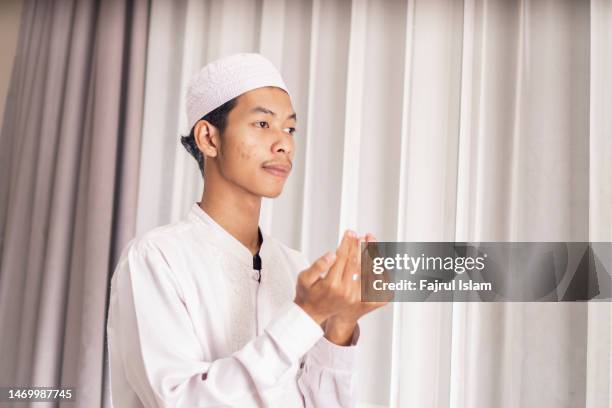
(330, 355)
(294, 331)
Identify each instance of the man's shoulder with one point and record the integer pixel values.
(164, 239)
(162, 236)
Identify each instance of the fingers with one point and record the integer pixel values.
(318, 268)
(387, 295)
(352, 268)
(371, 249)
(335, 273)
(368, 238)
(368, 249)
(370, 252)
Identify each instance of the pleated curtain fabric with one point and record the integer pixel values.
(423, 120)
(69, 184)
(418, 120)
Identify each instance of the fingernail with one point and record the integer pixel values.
(351, 233)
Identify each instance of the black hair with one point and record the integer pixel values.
(217, 118)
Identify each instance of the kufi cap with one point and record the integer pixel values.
(226, 78)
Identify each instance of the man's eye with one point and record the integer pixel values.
(262, 124)
(291, 130)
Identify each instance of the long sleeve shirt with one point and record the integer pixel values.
(192, 324)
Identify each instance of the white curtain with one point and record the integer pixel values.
(428, 120)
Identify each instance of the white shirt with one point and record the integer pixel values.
(190, 325)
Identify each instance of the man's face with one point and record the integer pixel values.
(257, 147)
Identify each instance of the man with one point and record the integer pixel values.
(206, 311)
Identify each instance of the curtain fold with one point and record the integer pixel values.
(418, 120)
(71, 140)
(427, 121)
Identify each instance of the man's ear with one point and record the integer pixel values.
(207, 138)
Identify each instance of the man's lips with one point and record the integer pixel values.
(278, 169)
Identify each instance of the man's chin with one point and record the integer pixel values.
(263, 190)
(272, 194)
(270, 190)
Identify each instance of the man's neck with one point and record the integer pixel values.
(236, 210)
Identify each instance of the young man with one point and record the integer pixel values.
(210, 311)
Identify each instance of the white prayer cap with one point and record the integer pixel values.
(226, 78)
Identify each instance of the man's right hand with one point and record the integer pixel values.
(328, 286)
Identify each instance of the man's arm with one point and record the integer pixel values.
(163, 359)
(328, 375)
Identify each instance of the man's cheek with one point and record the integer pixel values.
(243, 151)
(240, 153)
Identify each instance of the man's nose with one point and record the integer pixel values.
(283, 143)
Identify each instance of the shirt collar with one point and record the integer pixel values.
(227, 242)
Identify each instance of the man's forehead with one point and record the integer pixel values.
(269, 100)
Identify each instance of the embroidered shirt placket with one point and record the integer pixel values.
(257, 266)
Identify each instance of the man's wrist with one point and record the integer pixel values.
(340, 331)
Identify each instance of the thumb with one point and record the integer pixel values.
(317, 270)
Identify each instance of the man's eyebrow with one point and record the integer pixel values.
(261, 109)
